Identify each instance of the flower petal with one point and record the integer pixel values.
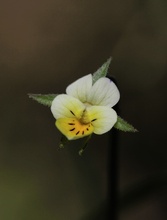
(73, 129)
(104, 93)
(102, 118)
(80, 88)
(65, 106)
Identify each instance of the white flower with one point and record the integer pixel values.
(86, 108)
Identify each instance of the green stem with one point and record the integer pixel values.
(85, 145)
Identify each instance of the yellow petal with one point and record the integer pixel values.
(73, 128)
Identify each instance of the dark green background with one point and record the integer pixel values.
(44, 46)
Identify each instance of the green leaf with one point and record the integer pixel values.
(102, 71)
(122, 125)
(43, 99)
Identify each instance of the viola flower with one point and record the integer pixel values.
(86, 107)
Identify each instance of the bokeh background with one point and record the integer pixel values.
(46, 45)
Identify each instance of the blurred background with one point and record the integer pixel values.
(45, 46)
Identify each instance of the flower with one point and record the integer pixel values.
(86, 108)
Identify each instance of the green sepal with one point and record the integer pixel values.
(44, 99)
(102, 71)
(122, 125)
(63, 142)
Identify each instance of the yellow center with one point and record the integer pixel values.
(73, 128)
(85, 118)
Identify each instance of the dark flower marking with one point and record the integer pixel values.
(72, 129)
(72, 112)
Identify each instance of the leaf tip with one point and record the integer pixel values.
(123, 125)
(109, 60)
(31, 95)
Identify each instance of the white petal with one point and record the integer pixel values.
(80, 88)
(65, 106)
(103, 118)
(104, 93)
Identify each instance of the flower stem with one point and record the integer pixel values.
(113, 170)
(85, 145)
